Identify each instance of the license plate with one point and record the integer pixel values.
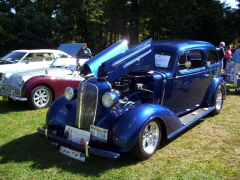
(78, 136)
(72, 153)
(99, 133)
(5, 97)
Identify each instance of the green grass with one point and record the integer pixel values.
(209, 150)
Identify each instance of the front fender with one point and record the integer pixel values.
(30, 84)
(124, 129)
(61, 113)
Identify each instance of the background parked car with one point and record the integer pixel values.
(22, 60)
(40, 87)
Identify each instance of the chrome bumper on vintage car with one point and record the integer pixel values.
(78, 147)
(6, 96)
(9, 92)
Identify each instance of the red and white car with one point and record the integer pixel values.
(40, 87)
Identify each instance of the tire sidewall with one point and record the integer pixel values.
(216, 111)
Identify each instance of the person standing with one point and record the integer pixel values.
(221, 55)
(236, 59)
(84, 50)
(228, 55)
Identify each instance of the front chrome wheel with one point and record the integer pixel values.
(148, 140)
(150, 137)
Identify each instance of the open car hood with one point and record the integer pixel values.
(70, 48)
(92, 65)
(137, 58)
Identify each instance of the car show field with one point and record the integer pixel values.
(207, 150)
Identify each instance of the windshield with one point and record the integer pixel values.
(64, 63)
(14, 57)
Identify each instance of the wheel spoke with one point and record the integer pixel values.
(41, 97)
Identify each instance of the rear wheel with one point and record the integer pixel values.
(218, 101)
(148, 140)
(40, 97)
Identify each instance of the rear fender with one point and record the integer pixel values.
(124, 128)
(211, 93)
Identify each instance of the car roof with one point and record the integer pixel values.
(180, 44)
(38, 50)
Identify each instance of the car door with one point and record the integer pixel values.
(186, 90)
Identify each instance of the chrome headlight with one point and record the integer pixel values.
(70, 93)
(110, 99)
(20, 81)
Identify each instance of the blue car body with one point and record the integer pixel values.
(171, 82)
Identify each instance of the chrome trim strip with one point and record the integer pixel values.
(19, 98)
(120, 61)
(136, 59)
(164, 89)
(86, 150)
(46, 133)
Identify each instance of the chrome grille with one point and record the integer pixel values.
(7, 88)
(87, 105)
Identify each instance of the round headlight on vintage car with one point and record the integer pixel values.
(110, 99)
(70, 93)
(20, 81)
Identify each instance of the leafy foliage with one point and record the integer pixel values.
(100, 23)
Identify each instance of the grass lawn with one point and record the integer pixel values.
(210, 149)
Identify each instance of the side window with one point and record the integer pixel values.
(28, 58)
(195, 57)
(39, 57)
(212, 57)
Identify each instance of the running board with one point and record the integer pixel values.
(189, 119)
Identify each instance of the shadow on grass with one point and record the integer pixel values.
(34, 148)
(10, 106)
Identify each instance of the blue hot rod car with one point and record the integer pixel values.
(134, 96)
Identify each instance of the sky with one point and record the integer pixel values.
(232, 3)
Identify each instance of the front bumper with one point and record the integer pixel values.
(78, 147)
(12, 96)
